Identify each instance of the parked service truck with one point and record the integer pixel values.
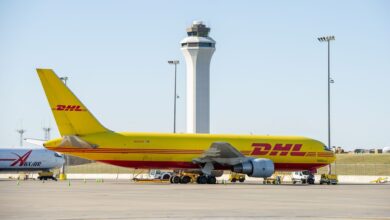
(45, 175)
(159, 174)
(329, 179)
(302, 177)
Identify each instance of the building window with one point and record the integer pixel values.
(194, 33)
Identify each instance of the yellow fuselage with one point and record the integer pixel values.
(150, 150)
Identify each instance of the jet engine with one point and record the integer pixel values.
(259, 167)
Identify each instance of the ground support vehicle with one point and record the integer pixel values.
(302, 177)
(45, 175)
(380, 180)
(329, 179)
(274, 179)
(161, 175)
(234, 177)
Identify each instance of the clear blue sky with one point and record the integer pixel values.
(268, 74)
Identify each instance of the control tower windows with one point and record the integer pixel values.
(197, 44)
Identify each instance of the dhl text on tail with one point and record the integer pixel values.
(257, 156)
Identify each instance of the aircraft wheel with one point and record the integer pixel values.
(211, 180)
(166, 176)
(171, 179)
(176, 179)
(202, 180)
(185, 179)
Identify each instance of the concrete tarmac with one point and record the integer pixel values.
(124, 200)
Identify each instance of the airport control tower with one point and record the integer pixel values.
(198, 48)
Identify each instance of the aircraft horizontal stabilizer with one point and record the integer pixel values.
(75, 141)
(38, 142)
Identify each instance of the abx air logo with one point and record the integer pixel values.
(21, 159)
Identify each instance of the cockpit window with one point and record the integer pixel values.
(57, 154)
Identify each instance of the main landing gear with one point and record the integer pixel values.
(202, 179)
(180, 179)
(199, 179)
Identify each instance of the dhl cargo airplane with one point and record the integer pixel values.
(256, 156)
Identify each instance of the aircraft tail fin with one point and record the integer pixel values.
(71, 115)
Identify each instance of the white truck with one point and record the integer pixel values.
(161, 175)
(302, 177)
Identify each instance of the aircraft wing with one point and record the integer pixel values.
(222, 153)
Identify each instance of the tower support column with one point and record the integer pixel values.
(198, 49)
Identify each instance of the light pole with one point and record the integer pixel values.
(66, 164)
(47, 132)
(330, 80)
(65, 79)
(21, 132)
(174, 62)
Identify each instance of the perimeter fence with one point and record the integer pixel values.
(361, 169)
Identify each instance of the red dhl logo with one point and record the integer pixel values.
(278, 149)
(70, 108)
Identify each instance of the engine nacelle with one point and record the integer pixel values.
(259, 167)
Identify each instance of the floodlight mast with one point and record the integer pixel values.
(330, 80)
(21, 132)
(174, 62)
(65, 166)
(47, 132)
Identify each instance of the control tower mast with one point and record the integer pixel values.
(198, 48)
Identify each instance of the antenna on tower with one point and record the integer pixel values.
(47, 132)
(21, 132)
